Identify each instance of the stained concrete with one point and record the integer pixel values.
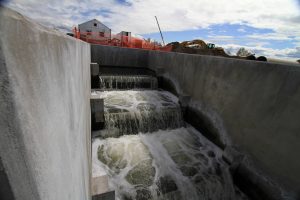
(133, 58)
(100, 185)
(255, 104)
(252, 105)
(45, 111)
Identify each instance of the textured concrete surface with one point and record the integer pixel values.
(100, 185)
(107, 55)
(256, 104)
(97, 114)
(253, 105)
(45, 111)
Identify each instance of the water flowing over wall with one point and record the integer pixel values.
(149, 152)
(110, 82)
(132, 112)
(44, 111)
(252, 105)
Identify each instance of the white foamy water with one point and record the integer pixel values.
(111, 82)
(131, 99)
(130, 112)
(147, 152)
(172, 164)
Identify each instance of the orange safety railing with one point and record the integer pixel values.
(118, 40)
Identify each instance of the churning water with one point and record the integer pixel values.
(174, 164)
(148, 151)
(131, 112)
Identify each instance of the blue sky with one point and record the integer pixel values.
(265, 27)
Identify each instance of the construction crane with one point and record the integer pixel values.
(162, 38)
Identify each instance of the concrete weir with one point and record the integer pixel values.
(249, 105)
(249, 109)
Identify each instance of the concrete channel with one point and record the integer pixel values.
(249, 110)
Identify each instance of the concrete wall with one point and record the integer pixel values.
(253, 105)
(45, 111)
(107, 55)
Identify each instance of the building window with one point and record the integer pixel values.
(95, 24)
(101, 34)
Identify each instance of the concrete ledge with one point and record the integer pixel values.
(95, 82)
(94, 69)
(248, 179)
(231, 155)
(255, 185)
(99, 185)
(97, 112)
(204, 124)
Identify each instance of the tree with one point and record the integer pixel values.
(242, 52)
(298, 61)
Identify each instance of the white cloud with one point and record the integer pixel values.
(137, 16)
(279, 15)
(270, 36)
(286, 54)
(242, 30)
(221, 37)
(257, 44)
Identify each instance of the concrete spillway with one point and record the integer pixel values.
(246, 108)
(131, 112)
(244, 105)
(149, 152)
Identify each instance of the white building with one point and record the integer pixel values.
(95, 30)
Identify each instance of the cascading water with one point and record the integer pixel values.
(127, 82)
(131, 112)
(149, 153)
